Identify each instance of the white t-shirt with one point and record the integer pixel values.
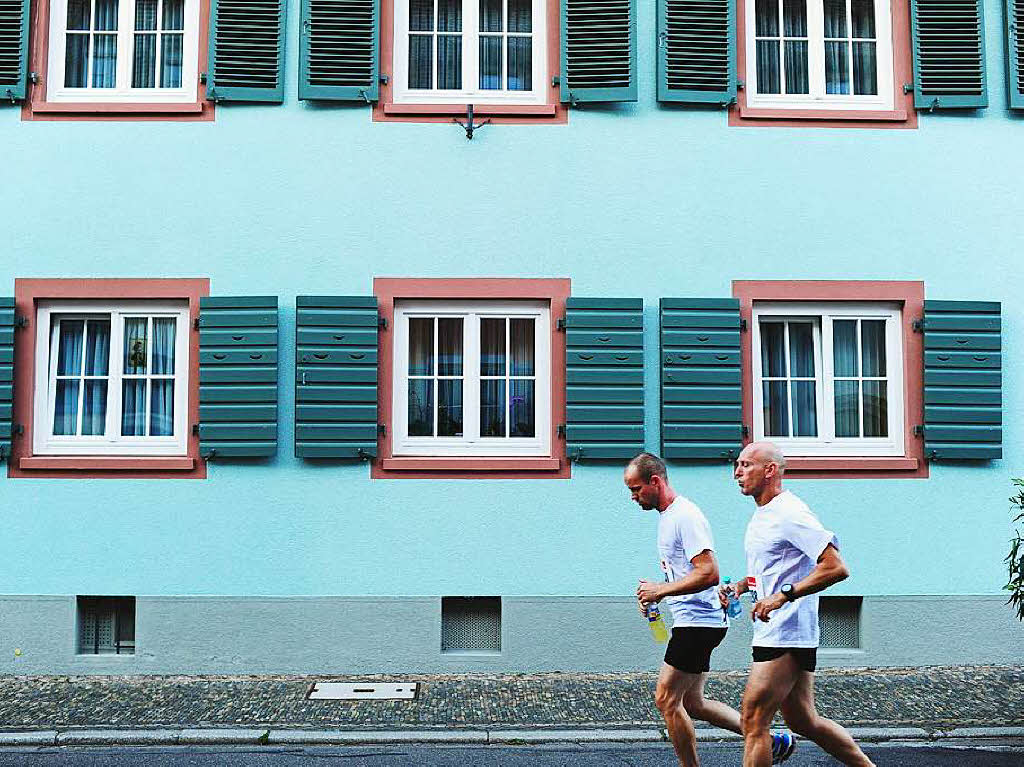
(683, 533)
(783, 543)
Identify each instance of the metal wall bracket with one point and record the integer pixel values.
(576, 455)
(362, 93)
(363, 455)
(468, 125)
(209, 456)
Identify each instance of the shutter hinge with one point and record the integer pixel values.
(362, 94)
(573, 101)
(383, 429)
(727, 104)
(743, 325)
(10, 95)
(363, 455)
(908, 87)
(556, 81)
(917, 325)
(203, 78)
(576, 455)
(560, 430)
(195, 429)
(384, 79)
(17, 429)
(20, 322)
(33, 77)
(382, 322)
(745, 431)
(560, 324)
(919, 430)
(209, 456)
(740, 85)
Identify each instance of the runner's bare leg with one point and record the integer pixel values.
(802, 718)
(672, 689)
(768, 684)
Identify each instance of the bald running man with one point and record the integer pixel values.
(699, 623)
(790, 558)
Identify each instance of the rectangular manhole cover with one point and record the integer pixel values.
(363, 691)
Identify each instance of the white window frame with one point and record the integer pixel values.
(123, 92)
(826, 444)
(817, 98)
(112, 442)
(471, 33)
(471, 444)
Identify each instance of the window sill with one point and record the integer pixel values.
(895, 463)
(764, 113)
(109, 108)
(107, 463)
(471, 464)
(534, 110)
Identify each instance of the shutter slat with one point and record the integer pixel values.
(701, 406)
(598, 50)
(14, 18)
(238, 360)
(604, 363)
(6, 375)
(949, 54)
(339, 50)
(696, 49)
(336, 376)
(962, 380)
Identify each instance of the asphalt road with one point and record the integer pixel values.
(987, 754)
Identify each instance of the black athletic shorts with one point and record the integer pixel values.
(806, 657)
(690, 647)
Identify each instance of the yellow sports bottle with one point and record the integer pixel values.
(656, 624)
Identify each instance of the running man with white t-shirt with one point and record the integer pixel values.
(687, 554)
(790, 558)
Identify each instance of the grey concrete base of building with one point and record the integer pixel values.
(367, 635)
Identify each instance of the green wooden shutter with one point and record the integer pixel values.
(962, 380)
(6, 375)
(701, 405)
(14, 15)
(696, 51)
(336, 376)
(246, 50)
(949, 54)
(238, 376)
(1015, 53)
(339, 53)
(598, 50)
(604, 377)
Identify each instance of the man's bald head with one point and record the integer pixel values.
(759, 470)
(766, 452)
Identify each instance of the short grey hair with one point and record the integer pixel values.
(648, 465)
(771, 453)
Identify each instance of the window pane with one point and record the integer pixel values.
(163, 345)
(449, 62)
(421, 346)
(449, 407)
(492, 408)
(520, 16)
(844, 342)
(174, 14)
(76, 61)
(421, 15)
(69, 350)
(794, 18)
(521, 415)
(801, 350)
(170, 61)
(135, 345)
(776, 412)
(449, 15)
(97, 347)
(105, 19)
(65, 408)
(94, 408)
(145, 14)
(847, 418)
(835, 18)
(78, 14)
(144, 62)
(768, 77)
(865, 69)
(797, 80)
(773, 350)
(421, 407)
(490, 16)
(104, 61)
(133, 407)
(492, 347)
(872, 338)
(449, 346)
(805, 414)
(421, 61)
(520, 63)
(766, 18)
(490, 63)
(161, 409)
(863, 12)
(876, 409)
(836, 68)
(521, 347)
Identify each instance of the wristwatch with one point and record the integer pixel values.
(787, 592)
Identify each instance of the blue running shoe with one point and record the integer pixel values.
(783, 746)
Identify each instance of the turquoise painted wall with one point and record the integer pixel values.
(628, 200)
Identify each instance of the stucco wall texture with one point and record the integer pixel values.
(634, 200)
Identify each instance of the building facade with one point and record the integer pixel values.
(300, 380)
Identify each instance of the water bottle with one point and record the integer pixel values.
(656, 624)
(734, 608)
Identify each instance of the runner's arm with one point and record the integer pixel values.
(829, 570)
(704, 575)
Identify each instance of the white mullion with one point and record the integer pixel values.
(52, 385)
(782, 46)
(435, 48)
(849, 45)
(789, 384)
(860, 384)
(91, 47)
(470, 46)
(828, 373)
(81, 379)
(504, 58)
(125, 45)
(508, 372)
(816, 48)
(436, 378)
(818, 375)
(471, 369)
(115, 369)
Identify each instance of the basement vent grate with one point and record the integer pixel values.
(471, 624)
(363, 691)
(839, 621)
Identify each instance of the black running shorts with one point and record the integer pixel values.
(690, 647)
(806, 657)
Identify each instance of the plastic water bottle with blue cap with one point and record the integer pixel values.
(734, 608)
